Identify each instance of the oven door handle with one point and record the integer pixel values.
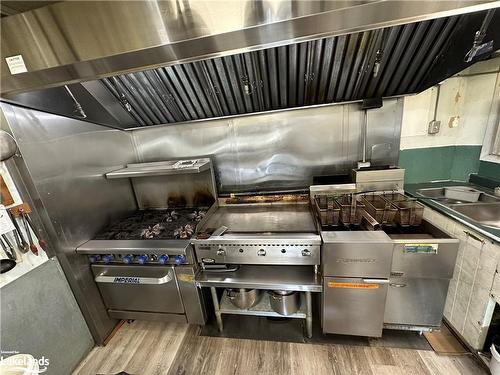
(376, 281)
(135, 279)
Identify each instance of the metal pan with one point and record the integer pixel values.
(8, 146)
(6, 265)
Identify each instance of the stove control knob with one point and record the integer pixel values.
(179, 259)
(221, 251)
(306, 253)
(261, 253)
(127, 259)
(108, 258)
(94, 258)
(142, 259)
(163, 259)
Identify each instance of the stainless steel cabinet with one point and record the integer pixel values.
(422, 266)
(416, 301)
(356, 267)
(354, 306)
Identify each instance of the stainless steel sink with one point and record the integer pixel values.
(487, 214)
(486, 211)
(437, 194)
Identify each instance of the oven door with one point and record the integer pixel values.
(146, 289)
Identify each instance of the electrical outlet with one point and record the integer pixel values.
(434, 127)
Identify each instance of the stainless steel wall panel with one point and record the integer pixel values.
(280, 149)
(210, 138)
(158, 192)
(65, 161)
(383, 132)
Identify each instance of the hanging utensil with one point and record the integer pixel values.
(33, 247)
(41, 242)
(9, 245)
(22, 244)
(16, 238)
(5, 249)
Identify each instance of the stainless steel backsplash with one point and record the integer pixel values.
(281, 149)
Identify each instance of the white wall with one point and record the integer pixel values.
(464, 105)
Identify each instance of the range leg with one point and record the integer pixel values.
(215, 300)
(309, 318)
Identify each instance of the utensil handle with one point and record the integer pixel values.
(24, 245)
(33, 247)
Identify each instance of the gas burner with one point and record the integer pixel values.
(183, 232)
(197, 215)
(121, 235)
(155, 224)
(171, 216)
(152, 232)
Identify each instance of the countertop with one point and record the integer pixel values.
(411, 189)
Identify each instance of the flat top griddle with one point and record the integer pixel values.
(262, 218)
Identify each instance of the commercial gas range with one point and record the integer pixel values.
(144, 266)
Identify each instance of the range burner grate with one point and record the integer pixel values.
(155, 224)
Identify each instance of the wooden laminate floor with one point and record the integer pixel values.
(149, 348)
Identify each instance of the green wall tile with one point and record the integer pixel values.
(465, 162)
(439, 163)
(489, 170)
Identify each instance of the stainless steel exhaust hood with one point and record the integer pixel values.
(378, 63)
(148, 63)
